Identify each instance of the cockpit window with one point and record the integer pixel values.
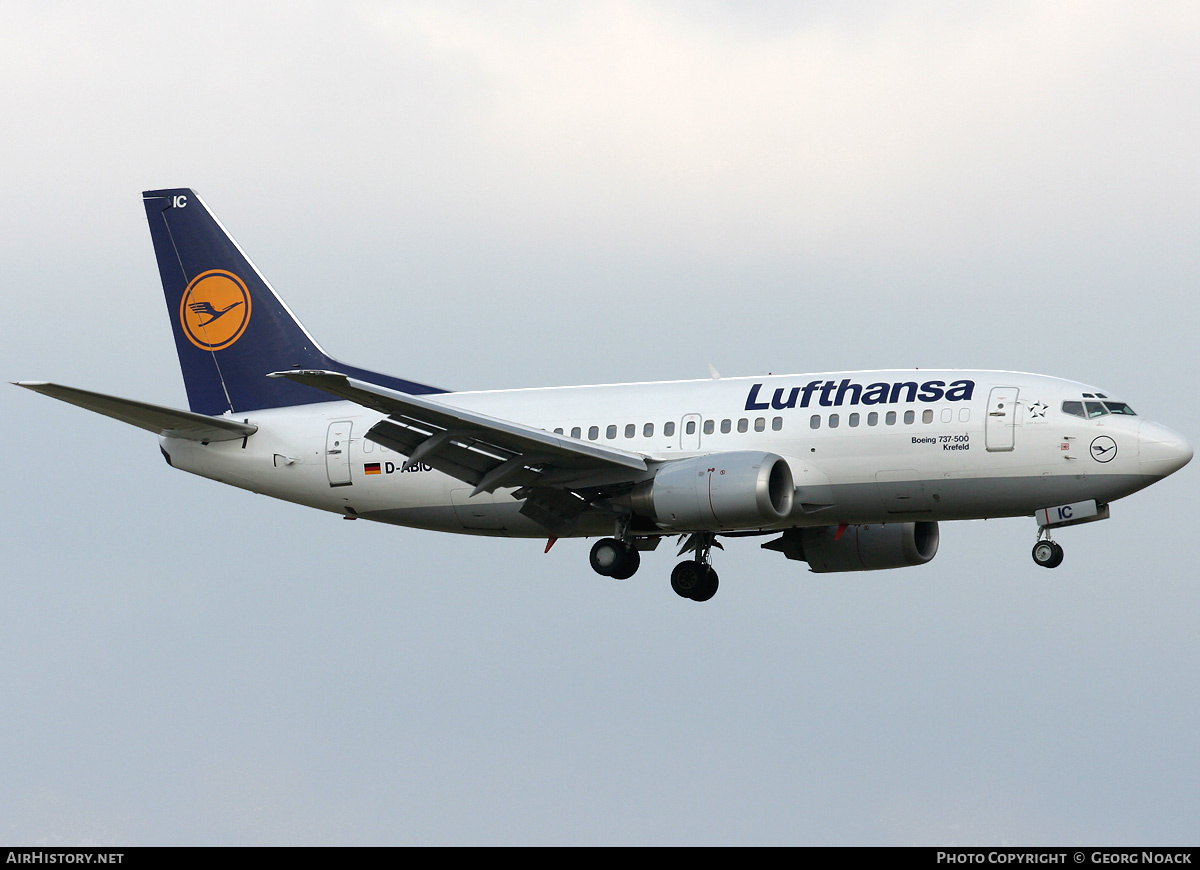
(1089, 410)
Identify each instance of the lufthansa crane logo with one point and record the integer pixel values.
(215, 310)
(1104, 449)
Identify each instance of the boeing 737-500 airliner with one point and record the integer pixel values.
(847, 471)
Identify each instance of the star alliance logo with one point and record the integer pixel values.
(1038, 410)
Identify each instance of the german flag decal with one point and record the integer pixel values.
(371, 468)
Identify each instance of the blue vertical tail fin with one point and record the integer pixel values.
(231, 328)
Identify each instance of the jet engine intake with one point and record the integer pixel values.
(718, 492)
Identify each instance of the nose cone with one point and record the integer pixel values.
(1160, 450)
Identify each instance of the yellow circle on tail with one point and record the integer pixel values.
(215, 310)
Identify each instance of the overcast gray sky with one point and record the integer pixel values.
(503, 195)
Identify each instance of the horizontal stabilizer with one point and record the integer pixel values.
(153, 418)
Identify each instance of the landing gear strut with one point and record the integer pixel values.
(695, 578)
(1046, 552)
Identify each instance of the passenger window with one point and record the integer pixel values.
(1075, 409)
(927, 415)
(610, 432)
(964, 415)
(947, 415)
(743, 425)
(853, 420)
(909, 418)
(669, 428)
(708, 427)
(890, 419)
(558, 431)
(648, 430)
(833, 421)
(1095, 409)
(760, 424)
(575, 433)
(777, 423)
(690, 428)
(630, 430)
(814, 422)
(726, 426)
(873, 418)
(593, 433)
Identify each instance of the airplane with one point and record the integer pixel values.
(847, 471)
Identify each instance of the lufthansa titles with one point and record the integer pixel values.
(833, 394)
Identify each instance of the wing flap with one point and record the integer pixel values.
(484, 451)
(153, 418)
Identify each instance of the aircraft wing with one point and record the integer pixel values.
(153, 418)
(486, 452)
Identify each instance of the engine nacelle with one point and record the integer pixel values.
(718, 492)
(867, 547)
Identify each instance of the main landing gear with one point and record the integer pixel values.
(692, 578)
(616, 557)
(1046, 552)
(695, 578)
(613, 558)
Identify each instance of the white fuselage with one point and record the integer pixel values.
(864, 447)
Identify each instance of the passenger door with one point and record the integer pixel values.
(1000, 428)
(337, 453)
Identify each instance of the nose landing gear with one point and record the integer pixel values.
(1047, 553)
